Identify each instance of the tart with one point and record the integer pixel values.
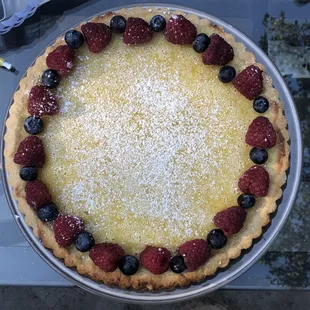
(147, 148)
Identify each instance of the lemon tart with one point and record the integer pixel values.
(157, 148)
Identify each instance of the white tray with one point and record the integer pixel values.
(17, 18)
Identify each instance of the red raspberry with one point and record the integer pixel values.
(37, 194)
(261, 133)
(42, 101)
(180, 30)
(230, 220)
(137, 31)
(219, 52)
(97, 36)
(61, 59)
(249, 82)
(195, 252)
(30, 152)
(156, 260)
(255, 181)
(66, 228)
(106, 256)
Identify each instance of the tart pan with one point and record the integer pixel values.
(249, 256)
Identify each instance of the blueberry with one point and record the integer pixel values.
(227, 74)
(74, 38)
(258, 156)
(28, 173)
(84, 241)
(50, 78)
(177, 264)
(201, 43)
(246, 201)
(118, 24)
(33, 125)
(158, 23)
(129, 265)
(48, 212)
(260, 104)
(216, 239)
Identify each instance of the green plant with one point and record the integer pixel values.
(293, 33)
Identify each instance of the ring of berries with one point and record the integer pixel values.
(68, 229)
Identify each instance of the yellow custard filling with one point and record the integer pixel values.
(148, 145)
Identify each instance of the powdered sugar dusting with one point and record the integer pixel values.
(65, 107)
(141, 143)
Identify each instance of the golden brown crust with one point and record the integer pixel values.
(144, 279)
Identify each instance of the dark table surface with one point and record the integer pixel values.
(279, 27)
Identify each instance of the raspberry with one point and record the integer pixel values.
(180, 30)
(249, 82)
(61, 59)
(106, 256)
(66, 228)
(219, 52)
(137, 31)
(255, 181)
(261, 133)
(30, 152)
(37, 194)
(230, 220)
(97, 36)
(156, 260)
(42, 101)
(195, 252)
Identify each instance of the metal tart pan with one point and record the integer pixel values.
(236, 266)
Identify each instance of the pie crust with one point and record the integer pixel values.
(258, 217)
